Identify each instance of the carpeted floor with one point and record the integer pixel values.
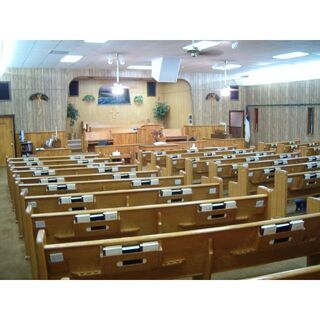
(13, 264)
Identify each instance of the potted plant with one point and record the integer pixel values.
(138, 99)
(88, 98)
(73, 115)
(161, 110)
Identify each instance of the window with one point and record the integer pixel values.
(151, 89)
(5, 93)
(310, 121)
(74, 89)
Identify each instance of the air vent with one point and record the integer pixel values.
(59, 52)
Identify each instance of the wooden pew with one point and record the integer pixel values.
(286, 148)
(47, 172)
(267, 146)
(176, 163)
(143, 220)
(42, 152)
(227, 169)
(82, 177)
(299, 146)
(306, 273)
(293, 185)
(72, 186)
(309, 151)
(124, 197)
(70, 157)
(250, 178)
(66, 166)
(91, 168)
(158, 158)
(181, 254)
(169, 192)
(13, 173)
(26, 164)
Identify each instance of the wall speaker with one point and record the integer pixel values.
(151, 88)
(190, 119)
(166, 69)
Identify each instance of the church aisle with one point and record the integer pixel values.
(13, 265)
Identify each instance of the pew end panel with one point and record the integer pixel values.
(239, 188)
(313, 205)
(41, 242)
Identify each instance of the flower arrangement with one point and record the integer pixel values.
(157, 134)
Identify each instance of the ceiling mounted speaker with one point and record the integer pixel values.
(166, 69)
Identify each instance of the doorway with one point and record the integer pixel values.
(7, 137)
(236, 120)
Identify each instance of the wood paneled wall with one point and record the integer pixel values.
(124, 114)
(275, 123)
(278, 122)
(55, 83)
(211, 111)
(202, 131)
(179, 98)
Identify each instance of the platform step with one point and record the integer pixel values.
(75, 144)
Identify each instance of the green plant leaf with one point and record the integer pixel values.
(161, 110)
(72, 113)
(89, 98)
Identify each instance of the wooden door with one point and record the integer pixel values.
(236, 120)
(7, 138)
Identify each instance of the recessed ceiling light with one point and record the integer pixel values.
(95, 41)
(291, 55)
(201, 45)
(229, 66)
(71, 58)
(137, 67)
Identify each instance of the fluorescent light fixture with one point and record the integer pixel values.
(137, 67)
(6, 54)
(95, 41)
(291, 55)
(201, 45)
(71, 58)
(229, 66)
(282, 73)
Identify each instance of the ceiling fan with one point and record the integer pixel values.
(198, 48)
(194, 51)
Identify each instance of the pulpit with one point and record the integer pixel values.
(145, 135)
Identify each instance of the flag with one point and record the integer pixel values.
(247, 127)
